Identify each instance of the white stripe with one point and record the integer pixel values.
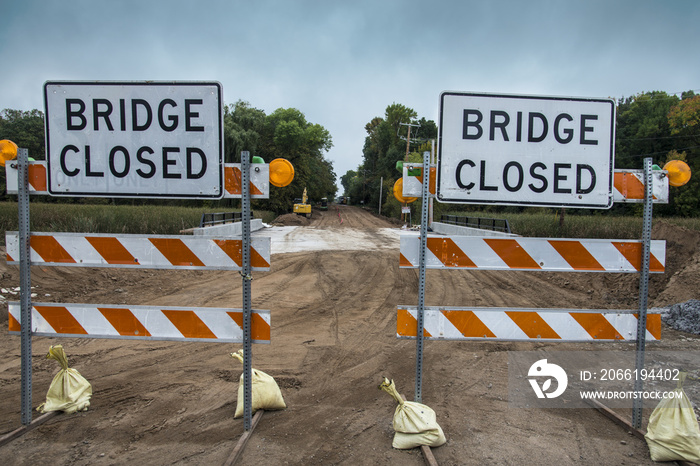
(565, 325)
(92, 321)
(220, 324)
(545, 255)
(156, 323)
(501, 325)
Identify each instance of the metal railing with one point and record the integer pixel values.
(218, 218)
(494, 224)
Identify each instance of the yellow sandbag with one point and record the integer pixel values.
(69, 391)
(265, 392)
(415, 424)
(673, 433)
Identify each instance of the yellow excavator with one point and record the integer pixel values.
(303, 207)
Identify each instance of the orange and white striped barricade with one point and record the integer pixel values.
(543, 254)
(524, 324)
(628, 185)
(259, 179)
(219, 325)
(139, 251)
(413, 180)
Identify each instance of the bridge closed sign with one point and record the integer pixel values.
(134, 139)
(525, 150)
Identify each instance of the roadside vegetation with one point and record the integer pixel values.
(547, 223)
(118, 219)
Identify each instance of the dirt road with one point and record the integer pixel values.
(333, 338)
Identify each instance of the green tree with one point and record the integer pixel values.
(287, 134)
(243, 126)
(26, 129)
(385, 144)
(643, 128)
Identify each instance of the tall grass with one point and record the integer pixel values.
(547, 224)
(119, 219)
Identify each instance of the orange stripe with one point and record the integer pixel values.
(512, 253)
(50, 250)
(61, 320)
(596, 325)
(176, 252)
(232, 182)
(653, 324)
(124, 321)
(532, 324)
(407, 325)
(233, 248)
(14, 324)
(629, 185)
(189, 324)
(576, 255)
(468, 324)
(111, 250)
(259, 329)
(257, 260)
(403, 262)
(37, 176)
(633, 254)
(9, 257)
(449, 253)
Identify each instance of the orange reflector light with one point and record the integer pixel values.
(8, 151)
(678, 172)
(398, 193)
(281, 172)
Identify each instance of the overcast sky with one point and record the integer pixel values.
(341, 63)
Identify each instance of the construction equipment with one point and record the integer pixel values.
(303, 207)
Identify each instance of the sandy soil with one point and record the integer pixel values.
(333, 338)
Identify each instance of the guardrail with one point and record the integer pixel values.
(218, 218)
(495, 224)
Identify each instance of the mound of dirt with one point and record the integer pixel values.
(291, 220)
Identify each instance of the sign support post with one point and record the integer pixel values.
(25, 284)
(643, 292)
(246, 278)
(421, 277)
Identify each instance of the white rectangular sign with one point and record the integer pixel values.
(525, 150)
(134, 139)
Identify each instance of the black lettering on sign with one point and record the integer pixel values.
(168, 162)
(172, 118)
(88, 168)
(62, 159)
(106, 111)
(476, 123)
(73, 112)
(460, 183)
(189, 114)
(140, 157)
(135, 104)
(113, 162)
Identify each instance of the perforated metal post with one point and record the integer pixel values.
(25, 284)
(643, 294)
(245, 273)
(421, 277)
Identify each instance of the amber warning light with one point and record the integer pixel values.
(8, 151)
(678, 172)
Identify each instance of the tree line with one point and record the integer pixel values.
(284, 133)
(651, 124)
